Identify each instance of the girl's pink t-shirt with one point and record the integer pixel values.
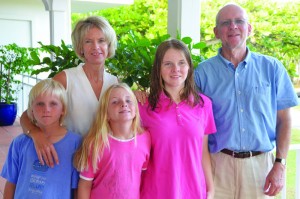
(177, 130)
(120, 169)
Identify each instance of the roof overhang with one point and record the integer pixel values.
(81, 6)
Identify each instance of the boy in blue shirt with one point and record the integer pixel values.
(26, 176)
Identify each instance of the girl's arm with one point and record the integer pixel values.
(9, 190)
(75, 193)
(84, 189)
(206, 164)
(44, 148)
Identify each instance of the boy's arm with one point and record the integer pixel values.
(44, 148)
(84, 189)
(75, 193)
(9, 190)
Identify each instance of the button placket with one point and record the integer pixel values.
(178, 115)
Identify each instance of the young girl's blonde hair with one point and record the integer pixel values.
(97, 138)
(51, 87)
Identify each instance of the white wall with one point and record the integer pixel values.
(24, 22)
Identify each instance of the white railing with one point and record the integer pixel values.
(27, 83)
(295, 147)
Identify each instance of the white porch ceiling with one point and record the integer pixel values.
(81, 6)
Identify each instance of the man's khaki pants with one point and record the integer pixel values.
(240, 178)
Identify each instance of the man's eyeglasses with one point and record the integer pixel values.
(237, 22)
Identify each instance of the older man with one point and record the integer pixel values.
(252, 95)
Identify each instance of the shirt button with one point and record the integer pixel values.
(242, 110)
(239, 92)
(243, 130)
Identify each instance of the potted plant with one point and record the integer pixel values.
(13, 63)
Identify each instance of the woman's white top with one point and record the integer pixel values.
(82, 101)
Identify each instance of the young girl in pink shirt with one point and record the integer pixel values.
(179, 120)
(116, 149)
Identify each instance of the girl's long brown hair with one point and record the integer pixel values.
(189, 92)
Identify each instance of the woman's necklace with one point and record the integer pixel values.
(95, 76)
(96, 79)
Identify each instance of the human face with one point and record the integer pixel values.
(95, 47)
(47, 110)
(174, 69)
(121, 107)
(232, 28)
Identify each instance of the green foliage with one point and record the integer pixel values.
(142, 26)
(134, 58)
(275, 28)
(275, 23)
(279, 35)
(147, 18)
(132, 62)
(135, 55)
(58, 58)
(14, 60)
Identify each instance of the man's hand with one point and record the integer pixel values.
(275, 180)
(44, 149)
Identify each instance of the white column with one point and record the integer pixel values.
(60, 20)
(184, 18)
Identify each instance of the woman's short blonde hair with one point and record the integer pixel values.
(83, 26)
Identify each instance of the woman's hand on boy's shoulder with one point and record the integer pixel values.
(45, 150)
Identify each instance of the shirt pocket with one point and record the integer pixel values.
(261, 95)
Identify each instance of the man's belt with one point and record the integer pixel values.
(246, 154)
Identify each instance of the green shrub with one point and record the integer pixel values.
(132, 62)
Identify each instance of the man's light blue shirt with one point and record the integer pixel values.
(245, 100)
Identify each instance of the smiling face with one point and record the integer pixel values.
(47, 110)
(95, 47)
(121, 107)
(232, 27)
(174, 69)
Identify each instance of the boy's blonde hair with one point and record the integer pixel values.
(97, 138)
(47, 86)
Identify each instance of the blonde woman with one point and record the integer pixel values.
(94, 40)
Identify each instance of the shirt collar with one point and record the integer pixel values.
(229, 64)
(164, 98)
